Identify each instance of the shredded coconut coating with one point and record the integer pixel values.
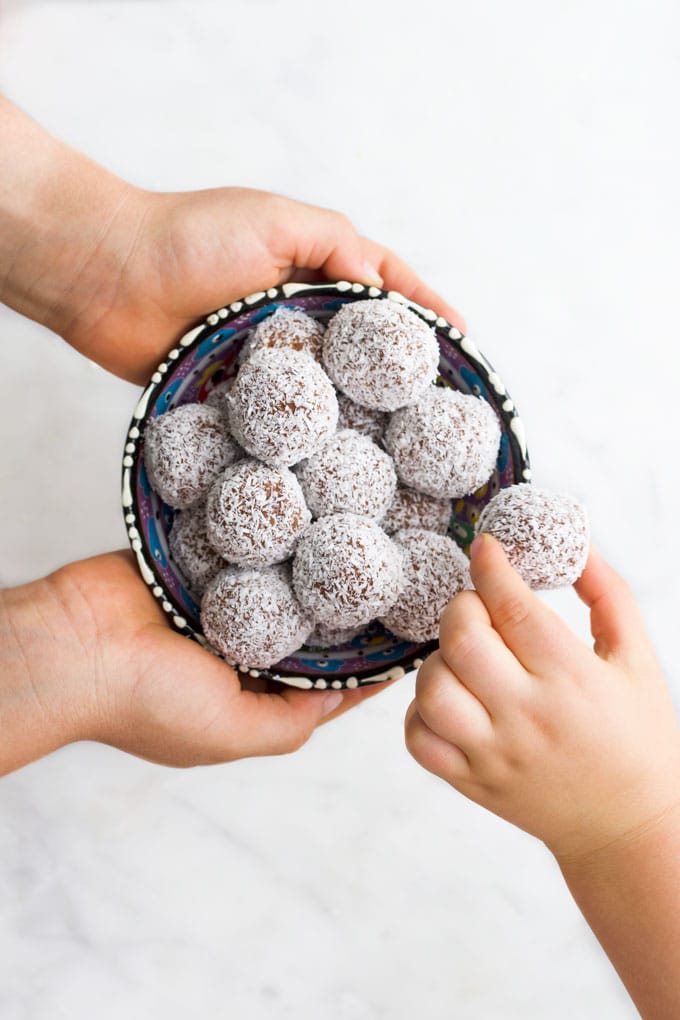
(369, 422)
(253, 617)
(348, 473)
(282, 407)
(185, 450)
(435, 570)
(413, 509)
(346, 571)
(191, 551)
(217, 394)
(446, 445)
(328, 637)
(255, 514)
(545, 535)
(288, 328)
(380, 353)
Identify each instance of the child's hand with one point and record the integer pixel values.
(579, 747)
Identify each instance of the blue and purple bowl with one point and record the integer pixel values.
(207, 356)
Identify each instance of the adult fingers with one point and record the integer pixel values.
(478, 656)
(354, 698)
(616, 622)
(450, 709)
(398, 275)
(261, 723)
(311, 239)
(535, 635)
(307, 237)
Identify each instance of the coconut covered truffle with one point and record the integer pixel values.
(217, 394)
(289, 328)
(446, 445)
(545, 535)
(330, 637)
(346, 571)
(255, 514)
(185, 450)
(348, 473)
(253, 617)
(191, 551)
(369, 422)
(380, 353)
(435, 570)
(282, 407)
(412, 509)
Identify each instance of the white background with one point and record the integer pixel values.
(524, 157)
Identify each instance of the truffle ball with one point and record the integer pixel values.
(255, 514)
(330, 637)
(362, 419)
(380, 353)
(217, 394)
(346, 571)
(348, 473)
(435, 570)
(446, 445)
(282, 406)
(185, 450)
(545, 535)
(253, 617)
(289, 328)
(413, 509)
(191, 551)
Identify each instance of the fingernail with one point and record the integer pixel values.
(331, 702)
(372, 276)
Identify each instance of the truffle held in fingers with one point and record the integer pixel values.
(545, 534)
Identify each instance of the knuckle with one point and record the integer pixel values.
(295, 741)
(342, 222)
(415, 734)
(511, 612)
(432, 676)
(460, 645)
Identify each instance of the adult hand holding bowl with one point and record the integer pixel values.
(119, 272)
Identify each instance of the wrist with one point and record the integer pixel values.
(65, 226)
(659, 831)
(44, 671)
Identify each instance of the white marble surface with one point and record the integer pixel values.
(525, 158)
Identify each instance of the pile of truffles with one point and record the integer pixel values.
(315, 488)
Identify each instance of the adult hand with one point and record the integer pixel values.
(87, 654)
(121, 273)
(196, 251)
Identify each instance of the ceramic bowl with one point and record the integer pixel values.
(205, 357)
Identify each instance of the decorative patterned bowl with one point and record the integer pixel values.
(205, 357)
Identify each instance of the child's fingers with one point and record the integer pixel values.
(398, 275)
(616, 622)
(433, 752)
(449, 709)
(477, 654)
(532, 632)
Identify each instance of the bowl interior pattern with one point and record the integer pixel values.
(207, 356)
